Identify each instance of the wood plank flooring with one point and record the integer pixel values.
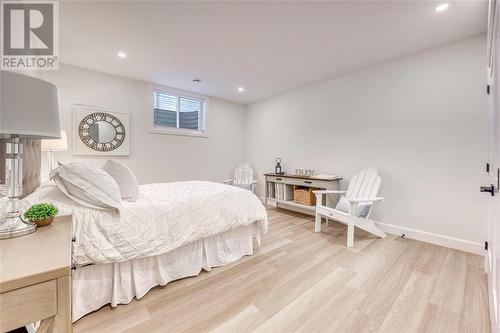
(301, 281)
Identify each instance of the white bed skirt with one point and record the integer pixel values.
(118, 283)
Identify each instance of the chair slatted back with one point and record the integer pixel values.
(364, 185)
(243, 174)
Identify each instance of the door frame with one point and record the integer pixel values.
(493, 21)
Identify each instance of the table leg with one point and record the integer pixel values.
(63, 322)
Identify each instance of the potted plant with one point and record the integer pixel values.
(42, 214)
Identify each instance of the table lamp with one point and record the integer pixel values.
(54, 145)
(28, 110)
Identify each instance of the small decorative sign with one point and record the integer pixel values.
(304, 172)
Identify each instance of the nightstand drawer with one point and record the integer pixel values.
(27, 305)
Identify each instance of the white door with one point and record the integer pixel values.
(493, 227)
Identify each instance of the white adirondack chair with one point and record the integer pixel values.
(354, 207)
(243, 177)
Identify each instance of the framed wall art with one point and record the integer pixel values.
(100, 131)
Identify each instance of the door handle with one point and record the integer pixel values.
(490, 189)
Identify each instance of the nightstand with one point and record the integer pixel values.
(35, 279)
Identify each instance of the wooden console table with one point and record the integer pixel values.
(293, 180)
(35, 279)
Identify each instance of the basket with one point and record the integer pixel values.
(45, 222)
(304, 195)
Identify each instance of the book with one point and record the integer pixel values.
(289, 192)
(271, 190)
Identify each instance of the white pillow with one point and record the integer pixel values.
(125, 178)
(89, 186)
(50, 193)
(362, 208)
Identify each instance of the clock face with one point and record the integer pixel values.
(101, 131)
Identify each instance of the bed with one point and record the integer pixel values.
(174, 230)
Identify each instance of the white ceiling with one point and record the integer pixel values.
(266, 47)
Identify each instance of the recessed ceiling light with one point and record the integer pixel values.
(197, 80)
(442, 7)
(121, 54)
(241, 89)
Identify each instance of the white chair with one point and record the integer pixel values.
(243, 177)
(354, 207)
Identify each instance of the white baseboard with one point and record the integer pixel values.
(428, 237)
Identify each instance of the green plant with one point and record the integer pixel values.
(40, 211)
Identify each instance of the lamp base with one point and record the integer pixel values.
(15, 227)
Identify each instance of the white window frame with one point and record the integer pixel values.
(203, 119)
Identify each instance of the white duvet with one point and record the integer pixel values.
(165, 217)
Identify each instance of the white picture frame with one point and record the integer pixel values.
(80, 111)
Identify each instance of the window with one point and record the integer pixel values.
(179, 114)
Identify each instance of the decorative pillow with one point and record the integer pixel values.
(362, 209)
(125, 178)
(50, 193)
(89, 186)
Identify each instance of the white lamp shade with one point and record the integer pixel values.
(28, 107)
(56, 144)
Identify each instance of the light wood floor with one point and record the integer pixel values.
(299, 281)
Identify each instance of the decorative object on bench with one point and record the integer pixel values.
(100, 131)
(304, 172)
(28, 110)
(354, 207)
(277, 168)
(243, 177)
(41, 214)
(280, 191)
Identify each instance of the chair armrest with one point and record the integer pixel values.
(228, 181)
(366, 200)
(329, 192)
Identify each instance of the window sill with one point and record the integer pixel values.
(178, 131)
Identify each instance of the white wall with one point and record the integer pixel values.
(420, 120)
(153, 157)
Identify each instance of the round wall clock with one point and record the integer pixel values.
(101, 131)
